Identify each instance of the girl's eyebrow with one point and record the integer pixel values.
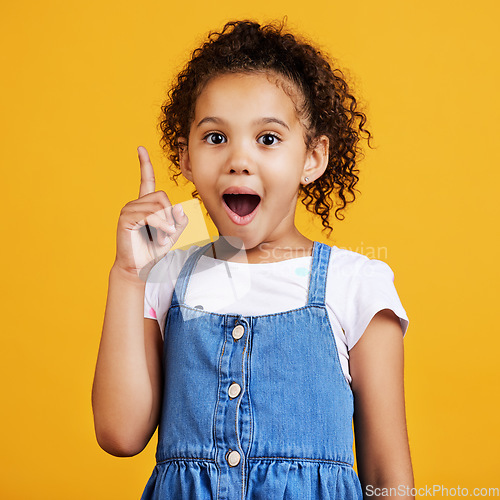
(272, 119)
(267, 119)
(210, 119)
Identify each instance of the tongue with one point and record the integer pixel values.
(242, 204)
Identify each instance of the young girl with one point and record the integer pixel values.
(257, 350)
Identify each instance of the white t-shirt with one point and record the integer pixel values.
(357, 288)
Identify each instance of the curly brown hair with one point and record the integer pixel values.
(328, 106)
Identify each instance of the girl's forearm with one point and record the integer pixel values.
(395, 483)
(125, 396)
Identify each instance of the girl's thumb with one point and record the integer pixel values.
(181, 219)
(178, 208)
(179, 212)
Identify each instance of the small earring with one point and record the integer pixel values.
(306, 179)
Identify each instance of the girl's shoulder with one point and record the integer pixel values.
(161, 281)
(358, 286)
(354, 265)
(171, 264)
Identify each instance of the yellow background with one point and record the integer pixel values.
(81, 86)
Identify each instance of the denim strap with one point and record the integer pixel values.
(319, 271)
(185, 274)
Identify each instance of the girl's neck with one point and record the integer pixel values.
(230, 249)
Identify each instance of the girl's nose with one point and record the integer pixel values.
(239, 160)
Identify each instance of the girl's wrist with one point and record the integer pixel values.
(117, 273)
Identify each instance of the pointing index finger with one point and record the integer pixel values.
(147, 172)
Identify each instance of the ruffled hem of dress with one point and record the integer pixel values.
(182, 479)
(276, 479)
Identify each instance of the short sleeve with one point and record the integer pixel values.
(150, 308)
(159, 285)
(371, 290)
(161, 282)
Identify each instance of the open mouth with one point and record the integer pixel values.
(242, 204)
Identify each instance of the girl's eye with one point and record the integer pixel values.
(215, 138)
(268, 139)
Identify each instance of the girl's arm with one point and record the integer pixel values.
(126, 394)
(382, 449)
(127, 383)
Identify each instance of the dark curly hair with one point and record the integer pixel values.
(328, 106)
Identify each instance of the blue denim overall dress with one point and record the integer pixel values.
(254, 407)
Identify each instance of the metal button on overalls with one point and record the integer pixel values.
(238, 332)
(233, 458)
(234, 390)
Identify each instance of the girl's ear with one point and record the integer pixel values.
(184, 162)
(316, 160)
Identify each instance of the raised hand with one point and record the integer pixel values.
(148, 227)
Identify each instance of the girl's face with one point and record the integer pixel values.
(246, 156)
